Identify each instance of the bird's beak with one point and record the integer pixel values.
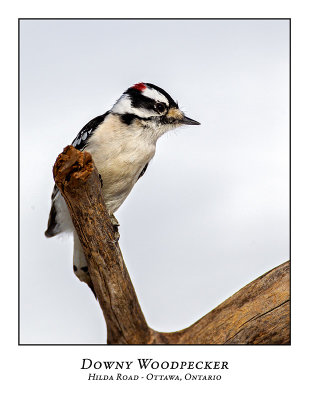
(178, 116)
(189, 121)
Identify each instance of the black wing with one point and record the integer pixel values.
(80, 142)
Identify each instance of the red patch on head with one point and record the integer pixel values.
(139, 86)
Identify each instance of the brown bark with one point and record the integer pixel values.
(256, 314)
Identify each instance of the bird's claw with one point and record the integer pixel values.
(115, 224)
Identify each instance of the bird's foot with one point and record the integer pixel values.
(115, 224)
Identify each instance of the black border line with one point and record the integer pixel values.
(154, 19)
(18, 123)
(290, 161)
(290, 200)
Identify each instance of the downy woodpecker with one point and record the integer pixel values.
(122, 142)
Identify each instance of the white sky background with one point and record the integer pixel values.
(212, 211)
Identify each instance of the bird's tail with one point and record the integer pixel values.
(52, 226)
(80, 266)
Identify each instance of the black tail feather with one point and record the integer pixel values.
(52, 224)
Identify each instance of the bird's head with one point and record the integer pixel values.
(152, 106)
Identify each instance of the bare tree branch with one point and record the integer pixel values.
(258, 313)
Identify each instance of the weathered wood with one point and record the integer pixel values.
(256, 314)
(79, 182)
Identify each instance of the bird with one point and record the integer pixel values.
(122, 142)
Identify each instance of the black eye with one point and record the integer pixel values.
(160, 107)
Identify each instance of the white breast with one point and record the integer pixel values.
(120, 153)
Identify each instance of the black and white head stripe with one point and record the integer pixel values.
(141, 99)
(80, 142)
(171, 102)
